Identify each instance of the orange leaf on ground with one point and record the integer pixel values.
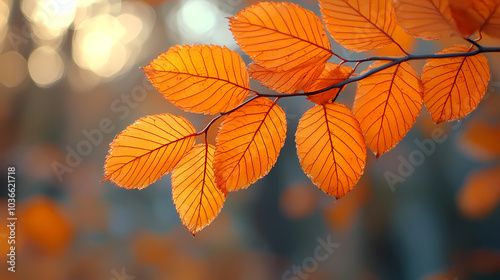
(196, 197)
(387, 105)
(454, 86)
(148, 149)
(200, 78)
(281, 35)
(331, 148)
(248, 144)
(472, 15)
(360, 25)
(426, 19)
(331, 75)
(480, 193)
(290, 81)
(480, 140)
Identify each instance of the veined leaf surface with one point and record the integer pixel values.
(248, 144)
(196, 197)
(200, 78)
(331, 148)
(148, 149)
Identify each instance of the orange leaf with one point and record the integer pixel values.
(387, 105)
(405, 40)
(148, 149)
(426, 19)
(480, 194)
(472, 15)
(290, 81)
(454, 86)
(480, 140)
(331, 75)
(360, 25)
(196, 197)
(200, 78)
(331, 148)
(281, 35)
(492, 25)
(248, 144)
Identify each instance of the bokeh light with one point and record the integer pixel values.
(198, 16)
(45, 66)
(13, 69)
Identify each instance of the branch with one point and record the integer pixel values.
(393, 61)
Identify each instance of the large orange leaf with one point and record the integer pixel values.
(148, 149)
(281, 35)
(360, 25)
(480, 194)
(196, 197)
(331, 75)
(248, 144)
(200, 78)
(472, 15)
(331, 148)
(454, 86)
(290, 81)
(387, 105)
(426, 19)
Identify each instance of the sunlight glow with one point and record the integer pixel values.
(198, 16)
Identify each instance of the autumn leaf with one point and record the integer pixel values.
(479, 140)
(387, 105)
(331, 75)
(290, 81)
(282, 36)
(200, 78)
(426, 19)
(480, 193)
(196, 197)
(331, 148)
(360, 25)
(148, 149)
(248, 144)
(471, 16)
(454, 86)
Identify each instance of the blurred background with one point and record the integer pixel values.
(70, 80)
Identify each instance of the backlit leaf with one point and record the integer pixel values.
(148, 149)
(200, 78)
(248, 144)
(196, 197)
(426, 19)
(290, 81)
(281, 35)
(491, 26)
(331, 148)
(331, 75)
(360, 25)
(454, 86)
(472, 15)
(387, 105)
(480, 194)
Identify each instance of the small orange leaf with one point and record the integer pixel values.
(480, 140)
(454, 86)
(196, 197)
(248, 144)
(426, 19)
(387, 105)
(331, 148)
(200, 78)
(472, 15)
(148, 149)
(360, 25)
(331, 75)
(491, 26)
(480, 194)
(281, 35)
(290, 81)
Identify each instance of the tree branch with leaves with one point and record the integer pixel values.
(290, 50)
